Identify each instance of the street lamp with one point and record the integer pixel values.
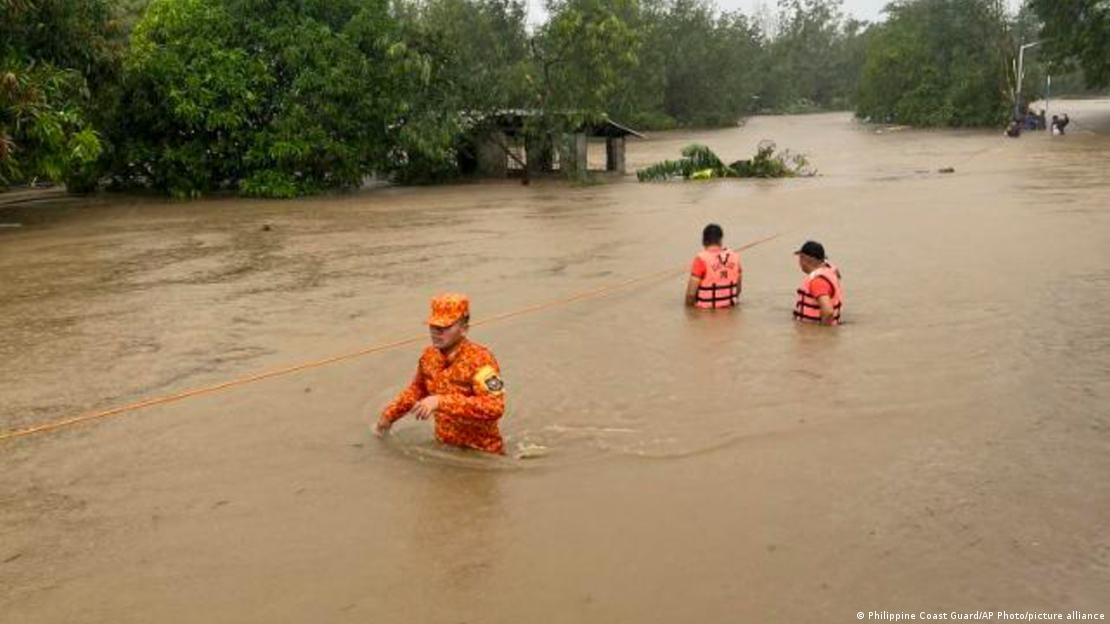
(1047, 94)
(1021, 75)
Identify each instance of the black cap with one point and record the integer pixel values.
(813, 249)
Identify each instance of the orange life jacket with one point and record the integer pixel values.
(807, 307)
(720, 286)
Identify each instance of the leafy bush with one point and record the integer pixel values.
(699, 162)
(54, 56)
(274, 98)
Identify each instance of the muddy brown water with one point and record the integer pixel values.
(947, 449)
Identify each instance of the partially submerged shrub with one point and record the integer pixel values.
(698, 162)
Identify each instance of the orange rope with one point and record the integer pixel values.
(170, 398)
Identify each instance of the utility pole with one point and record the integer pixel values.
(1021, 75)
(1047, 94)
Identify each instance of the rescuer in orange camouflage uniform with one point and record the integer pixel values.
(457, 382)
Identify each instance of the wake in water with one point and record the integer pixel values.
(557, 444)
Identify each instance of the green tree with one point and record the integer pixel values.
(271, 97)
(126, 13)
(695, 66)
(56, 57)
(479, 57)
(1078, 31)
(710, 64)
(580, 60)
(479, 50)
(638, 101)
(802, 58)
(815, 57)
(738, 47)
(939, 63)
(582, 56)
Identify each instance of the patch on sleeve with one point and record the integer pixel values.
(487, 381)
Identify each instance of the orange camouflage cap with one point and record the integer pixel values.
(448, 308)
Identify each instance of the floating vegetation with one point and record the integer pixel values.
(698, 162)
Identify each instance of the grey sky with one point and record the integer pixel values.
(861, 9)
(869, 10)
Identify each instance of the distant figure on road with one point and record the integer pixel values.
(1034, 121)
(1059, 124)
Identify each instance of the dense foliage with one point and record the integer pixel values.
(56, 57)
(938, 63)
(814, 60)
(274, 98)
(1078, 31)
(287, 97)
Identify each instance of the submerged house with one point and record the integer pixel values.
(498, 146)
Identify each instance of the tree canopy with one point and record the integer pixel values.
(1078, 31)
(274, 98)
(56, 56)
(938, 63)
(281, 98)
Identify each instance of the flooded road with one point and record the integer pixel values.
(947, 449)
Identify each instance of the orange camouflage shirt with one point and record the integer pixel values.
(471, 396)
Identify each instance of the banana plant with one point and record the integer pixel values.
(698, 162)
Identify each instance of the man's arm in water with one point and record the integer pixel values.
(405, 401)
(692, 290)
(828, 314)
(697, 272)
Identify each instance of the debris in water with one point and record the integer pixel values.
(530, 451)
(698, 162)
(266, 227)
(947, 170)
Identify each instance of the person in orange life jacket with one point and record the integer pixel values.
(457, 382)
(716, 277)
(820, 296)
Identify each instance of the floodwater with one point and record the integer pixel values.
(947, 449)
